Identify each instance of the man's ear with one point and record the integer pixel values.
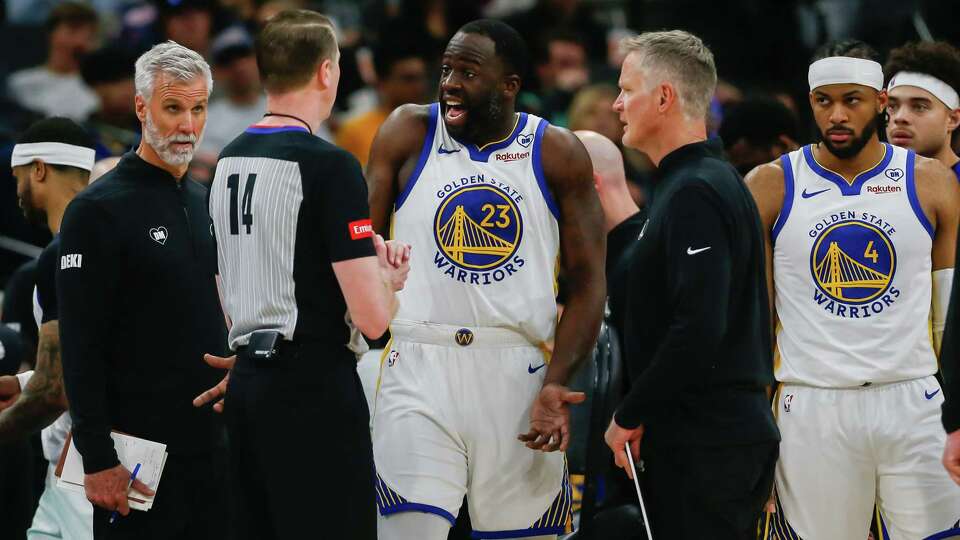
(953, 120)
(882, 101)
(511, 85)
(667, 96)
(325, 74)
(140, 106)
(38, 171)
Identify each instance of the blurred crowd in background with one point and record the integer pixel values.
(76, 59)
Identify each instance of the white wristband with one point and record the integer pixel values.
(942, 284)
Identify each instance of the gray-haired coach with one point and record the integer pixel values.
(138, 308)
(697, 328)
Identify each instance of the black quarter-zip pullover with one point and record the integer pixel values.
(695, 313)
(138, 309)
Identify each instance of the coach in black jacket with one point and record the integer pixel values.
(138, 307)
(696, 324)
(949, 368)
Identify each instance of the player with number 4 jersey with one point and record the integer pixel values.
(858, 230)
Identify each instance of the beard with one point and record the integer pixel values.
(35, 216)
(856, 143)
(480, 118)
(163, 146)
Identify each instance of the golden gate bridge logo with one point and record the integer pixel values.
(853, 262)
(478, 227)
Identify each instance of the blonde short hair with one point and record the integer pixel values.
(682, 59)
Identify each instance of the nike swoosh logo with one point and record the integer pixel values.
(691, 251)
(443, 150)
(806, 195)
(531, 369)
(928, 395)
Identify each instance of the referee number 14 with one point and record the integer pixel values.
(246, 218)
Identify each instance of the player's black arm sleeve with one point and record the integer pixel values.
(950, 358)
(698, 285)
(86, 294)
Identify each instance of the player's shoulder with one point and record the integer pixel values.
(560, 139)
(411, 114)
(932, 172)
(767, 175)
(408, 121)
(562, 154)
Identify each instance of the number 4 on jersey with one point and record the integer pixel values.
(233, 184)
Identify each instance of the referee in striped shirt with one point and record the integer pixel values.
(301, 268)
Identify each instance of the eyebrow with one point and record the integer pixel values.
(466, 57)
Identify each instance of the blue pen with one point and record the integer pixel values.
(133, 476)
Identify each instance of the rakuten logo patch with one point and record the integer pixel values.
(511, 156)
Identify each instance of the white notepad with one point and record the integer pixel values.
(151, 456)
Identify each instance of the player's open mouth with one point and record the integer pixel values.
(455, 113)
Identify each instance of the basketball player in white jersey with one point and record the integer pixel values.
(856, 228)
(492, 203)
(923, 103)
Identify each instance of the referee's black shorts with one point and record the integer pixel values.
(301, 456)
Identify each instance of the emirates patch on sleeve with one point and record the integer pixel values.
(360, 229)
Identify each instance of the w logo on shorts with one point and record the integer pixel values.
(463, 337)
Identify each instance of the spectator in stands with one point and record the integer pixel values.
(188, 22)
(114, 125)
(243, 103)
(548, 15)
(758, 131)
(592, 110)
(401, 78)
(55, 88)
(561, 70)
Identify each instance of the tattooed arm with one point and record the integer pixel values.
(43, 398)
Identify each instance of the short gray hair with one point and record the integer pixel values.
(173, 60)
(682, 59)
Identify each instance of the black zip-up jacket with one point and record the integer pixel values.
(696, 319)
(138, 308)
(950, 357)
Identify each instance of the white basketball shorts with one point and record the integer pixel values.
(449, 406)
(842, 450)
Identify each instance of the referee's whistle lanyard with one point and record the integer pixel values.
(292, 117)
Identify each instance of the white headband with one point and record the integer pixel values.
(935, 86)
(53, 153)
(845, 70)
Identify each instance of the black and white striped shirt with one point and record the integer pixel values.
(285, 205)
